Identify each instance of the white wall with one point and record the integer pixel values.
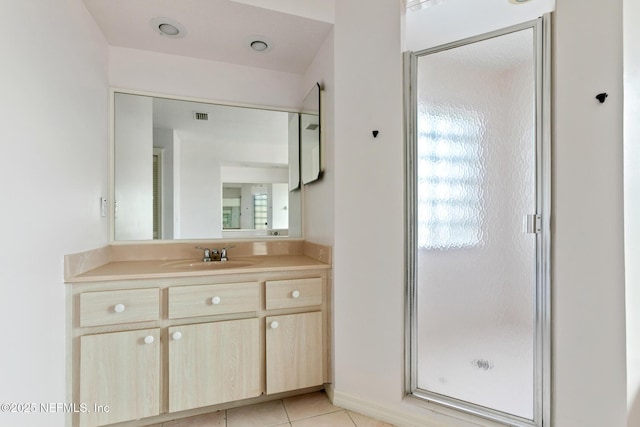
(368, 251)
(322, 10)
(198, 78)
(588, 270)
(632, 203)
(319, 205)
(588, 352)
(54, 109)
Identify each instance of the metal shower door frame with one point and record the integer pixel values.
(542, 334)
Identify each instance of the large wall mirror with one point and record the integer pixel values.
(193, 170)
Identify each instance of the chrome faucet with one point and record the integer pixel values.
(223, 253)
(214, 255)
(207, 253)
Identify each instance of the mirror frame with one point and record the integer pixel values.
(111, 171)
(315, 165)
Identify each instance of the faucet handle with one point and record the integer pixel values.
(223, 253)
(207, 253)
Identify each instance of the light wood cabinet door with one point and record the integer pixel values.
(120, 372)
(294, 351)
(213, 363)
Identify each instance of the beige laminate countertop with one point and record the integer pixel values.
(125, 270)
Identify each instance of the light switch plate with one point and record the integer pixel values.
(103, 206)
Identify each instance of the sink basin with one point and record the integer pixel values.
(199, 265)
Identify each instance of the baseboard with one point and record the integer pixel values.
(379, 412)
(391, 415)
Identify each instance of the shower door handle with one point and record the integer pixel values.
(532, 224)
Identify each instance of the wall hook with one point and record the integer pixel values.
(601, 97)
(375, 133)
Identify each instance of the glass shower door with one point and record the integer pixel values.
(476, 230)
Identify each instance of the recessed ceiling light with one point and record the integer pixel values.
(168, 28)
(518, 1)
(259, 43)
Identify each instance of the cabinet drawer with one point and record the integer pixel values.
(123, 306)
(210, 300)
(293, 293)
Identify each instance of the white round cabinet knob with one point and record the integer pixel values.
(295, 294)
(149, 339)
(119, 308)
(176, 335)
(274, 325)
(215, 300)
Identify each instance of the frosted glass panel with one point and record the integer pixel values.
(476, 181)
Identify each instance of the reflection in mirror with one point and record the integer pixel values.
(171, 158)
(254, 206)
(310, 155)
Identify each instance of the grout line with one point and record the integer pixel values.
(285, 411)
(289, 421)
(351, 418)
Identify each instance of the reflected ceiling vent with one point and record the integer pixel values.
(415, 5)
(200, 116)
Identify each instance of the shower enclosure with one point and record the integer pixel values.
(477, 236)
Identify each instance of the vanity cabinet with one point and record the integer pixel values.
(156, 349)
(213, 363)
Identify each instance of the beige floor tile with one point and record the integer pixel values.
(364, 421)
(261, 415)
(214, 419)
(334, 419)
(308, 405)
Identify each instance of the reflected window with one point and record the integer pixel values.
(260, 212)
(449, 181)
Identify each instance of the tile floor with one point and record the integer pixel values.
(308, 410)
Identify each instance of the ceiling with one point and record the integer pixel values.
(221, 30)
